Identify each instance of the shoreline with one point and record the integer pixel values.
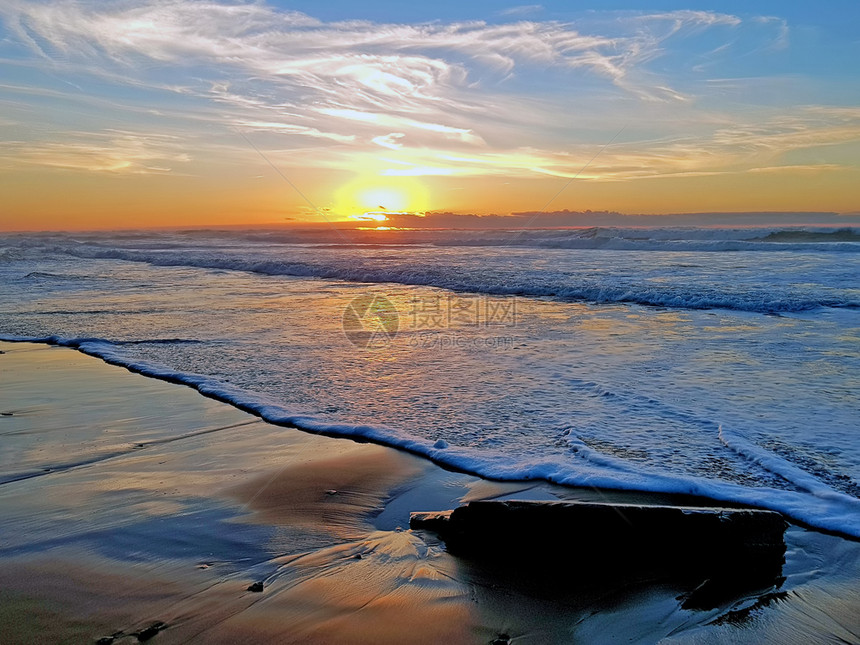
(173, 505)
(273, 414)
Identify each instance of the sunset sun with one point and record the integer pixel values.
(373, 199)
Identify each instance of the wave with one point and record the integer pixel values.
(44, 275)
(665, 239)
(819, 506)
(526, 284)
(326, 255)
(818, 239)
(839, 235)
(77, 342)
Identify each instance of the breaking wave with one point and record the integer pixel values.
(565, 286)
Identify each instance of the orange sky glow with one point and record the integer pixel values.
(150, 114)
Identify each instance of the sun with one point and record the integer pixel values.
(372, 199)
(384, 198)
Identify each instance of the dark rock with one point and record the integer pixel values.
(149, 632)
(438, 522)
(357, 556)
(730, 549)
(105, 640)
(257, 587)
(501, 639)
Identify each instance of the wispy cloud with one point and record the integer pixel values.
(288, 128)
(743, 147)
(430, 99)
(389, 140)
(522, 10)
(399, 66)
(110, 151)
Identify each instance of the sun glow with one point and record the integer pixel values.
(371, 217)
(370, 199)
(384, 198)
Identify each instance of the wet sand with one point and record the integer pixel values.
(136, 510)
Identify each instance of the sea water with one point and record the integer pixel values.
(715, 362)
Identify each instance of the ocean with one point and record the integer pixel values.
(715, 362)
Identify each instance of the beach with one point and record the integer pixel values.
(136, 509)
(453, 322)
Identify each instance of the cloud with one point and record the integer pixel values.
(438, 84)
(370, 61)
(452, 98)
(689, 19)
(781, 40)
(554, 219)
(798, 168)
(741, 147)
(522, 10)
(389, 140)
(387, 120)
(289, 128)
(109, 151)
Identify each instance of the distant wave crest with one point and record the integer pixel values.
(344, 255)
(586, 289)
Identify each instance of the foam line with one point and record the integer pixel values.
(821, 507)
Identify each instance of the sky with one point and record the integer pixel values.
(152, 113)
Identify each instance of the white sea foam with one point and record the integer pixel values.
(819, 506)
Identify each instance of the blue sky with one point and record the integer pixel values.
(444, 106)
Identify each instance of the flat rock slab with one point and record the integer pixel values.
(743, 546)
